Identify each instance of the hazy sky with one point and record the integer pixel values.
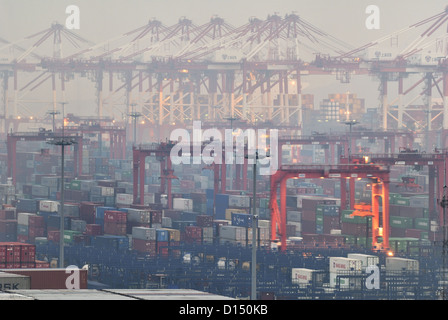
(102, 20)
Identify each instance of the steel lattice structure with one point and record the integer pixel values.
(184, 72)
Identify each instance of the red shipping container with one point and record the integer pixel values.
(27, 265)
(193, 232)
(204, 221)
(309, 215)
(162, 248)
(94, 230)
(28, 253)
(148, 246)
(117, 229)
(50, 278)
(34, 232)
(156, 216)
(53, 235)
(7, 215)
(87, 211)
(115, 216)
(36, 221)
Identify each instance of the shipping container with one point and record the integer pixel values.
(9, 281)
(232, 233)
(306, 276)
(48, 206)
(183, 204)
(366, 259)
(144, 233)
(344, 264)
(397, 264)
(51, 278)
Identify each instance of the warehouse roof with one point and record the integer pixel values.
(111, 294)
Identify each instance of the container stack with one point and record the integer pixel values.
(17, 255)
(115, 223)
(341, 269)
(8, 226)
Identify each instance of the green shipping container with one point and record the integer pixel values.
(402, 201)
(400, 222)
(69, 235)
(75, 185)
(346, 217)
(421, 223)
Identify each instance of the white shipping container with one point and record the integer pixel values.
(401, 264)
(48, 206)
(366, 259)
(232, 233)
(239, 201)
(305, 276)
(23, 218)
(10, 281)
(143, 233)
(183, 204)
(124, 198)
(344, 264)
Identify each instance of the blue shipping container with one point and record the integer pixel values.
(241, 220)
(162, 235)
(100, 211)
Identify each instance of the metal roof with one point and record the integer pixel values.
(111, 294)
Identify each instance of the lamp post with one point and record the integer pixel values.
(253, 293)
(134, 115)
(53, 113)
(231, 119)
(63, 142)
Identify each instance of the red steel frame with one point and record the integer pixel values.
(116, 134)
(375, 172)
(162, 152)
(13, 138)
(435, 162)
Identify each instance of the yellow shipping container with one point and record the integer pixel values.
(174, 234)
(229, 213)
